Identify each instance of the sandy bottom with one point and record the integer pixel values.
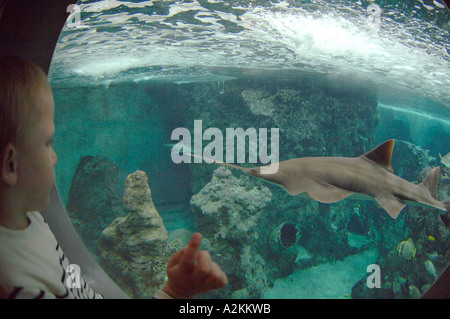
(324, 281)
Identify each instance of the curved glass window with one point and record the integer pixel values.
(149, 93)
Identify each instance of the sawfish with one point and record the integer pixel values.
(332, 179)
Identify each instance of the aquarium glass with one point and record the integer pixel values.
(156, 100)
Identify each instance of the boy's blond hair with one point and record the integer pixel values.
(20, 80)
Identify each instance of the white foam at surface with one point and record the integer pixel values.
(97, 67)
(99, 6)
(335, 37)
(331, 36)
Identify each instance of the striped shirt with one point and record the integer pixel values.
(33, 265)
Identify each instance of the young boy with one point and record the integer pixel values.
(32, 264)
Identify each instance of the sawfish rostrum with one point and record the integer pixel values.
(332, 179)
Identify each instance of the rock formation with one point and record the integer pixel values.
(94, 199)
(134, 249)
(227, 215)
(227, 210)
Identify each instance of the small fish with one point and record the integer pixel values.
(407, 249)
(431, 238)
(429, 266)
(414, 292)
(348, 296)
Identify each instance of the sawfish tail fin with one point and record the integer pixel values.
(431, 182)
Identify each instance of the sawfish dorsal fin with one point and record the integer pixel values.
(382, 155)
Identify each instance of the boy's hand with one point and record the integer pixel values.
(191, 271)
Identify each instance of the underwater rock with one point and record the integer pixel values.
(361, 291)
(259, 102)
(227, 213)
(284, 236)
(393, 261)
(398, 285)
(134, 249)
(283, 248)
(225, 209)
(94, 199)
(137, 193)
(240, 294)
(325, 234)
(408, 160)
(182, 234)
(252, 266)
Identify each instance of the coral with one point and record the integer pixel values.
(133, 248)
(260, 102)
(227, 213)
(240, 294)
(182, 234)
(175, 245)
(253, 267)
(409, 160)
(227, 210)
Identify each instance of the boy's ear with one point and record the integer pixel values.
(8, 165)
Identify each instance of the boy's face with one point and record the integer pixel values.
(37, 158)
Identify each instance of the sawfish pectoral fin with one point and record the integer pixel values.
(321, 192)
(390, 204)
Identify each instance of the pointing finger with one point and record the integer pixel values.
(189, 257)
(219, 277)
(204, 266)
(175, 259)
